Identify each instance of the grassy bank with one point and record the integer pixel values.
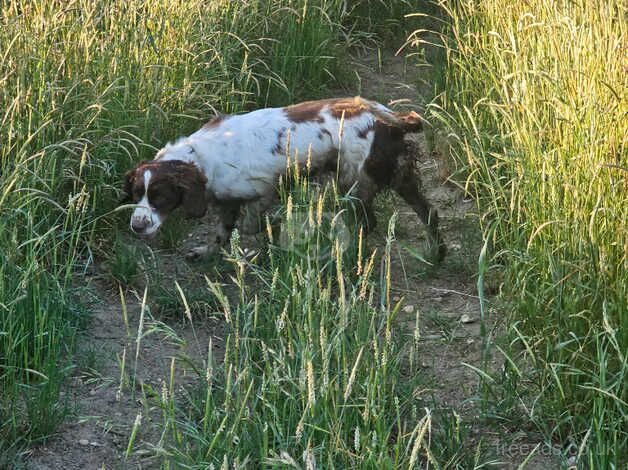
(535, 105)
(86, 89)
(314, 371)
(311, 371)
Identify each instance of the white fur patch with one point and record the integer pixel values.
(239, 154)
(144, 216)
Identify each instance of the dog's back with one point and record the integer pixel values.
(243, 155)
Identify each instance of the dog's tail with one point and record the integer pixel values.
(408, 122)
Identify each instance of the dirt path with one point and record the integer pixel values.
(106, 402)
(445, 298)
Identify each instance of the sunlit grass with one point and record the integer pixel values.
(86, 89)
(315, 372)
(535, 105)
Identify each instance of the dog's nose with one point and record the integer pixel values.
(139, 225)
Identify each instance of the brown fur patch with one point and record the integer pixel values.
(382, 162)
(412, 121)
(213, 122)
(173, 183)
(348, 107)
(279, 149)
(389, 165)
(309, 111)
(363, 133)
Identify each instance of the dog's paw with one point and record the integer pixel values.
(198, 252)
(436, 252)
(442, 251)
(251, 225)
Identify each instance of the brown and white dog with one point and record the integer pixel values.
(238, 159)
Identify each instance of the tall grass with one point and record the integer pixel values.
(88, 87)
(386, 20)
(535, 100)
(314, 373)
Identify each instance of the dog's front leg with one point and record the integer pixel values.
(228, 213)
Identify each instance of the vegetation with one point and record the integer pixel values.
(312, 366)
(86, 89)
(533, 108)
(534, 103)
(314, 372)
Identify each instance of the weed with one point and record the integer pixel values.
(124, 263)
(535, 115)
(298, 365)
(87, 90)
(173, 232)
(313, 368)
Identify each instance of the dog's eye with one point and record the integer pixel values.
(159, 201)
(137, 193)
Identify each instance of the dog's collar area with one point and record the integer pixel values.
(192, 155)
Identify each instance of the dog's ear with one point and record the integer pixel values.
(192, 182)
(127, 190)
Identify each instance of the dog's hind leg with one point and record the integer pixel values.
(254, 220)
(407, 184)
(366, 192)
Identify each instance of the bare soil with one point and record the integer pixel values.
(106, 403)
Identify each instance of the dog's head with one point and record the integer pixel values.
(159, 187)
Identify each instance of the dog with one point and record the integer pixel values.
(239, 159)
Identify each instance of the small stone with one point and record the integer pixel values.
(84, 442)
(470, 341)
(572, 461)
(430, 337)
(95, 444)
(408, 308)
(396, 298)
(92, 392)
(466, 319)
(197, 252)
(249, 253)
